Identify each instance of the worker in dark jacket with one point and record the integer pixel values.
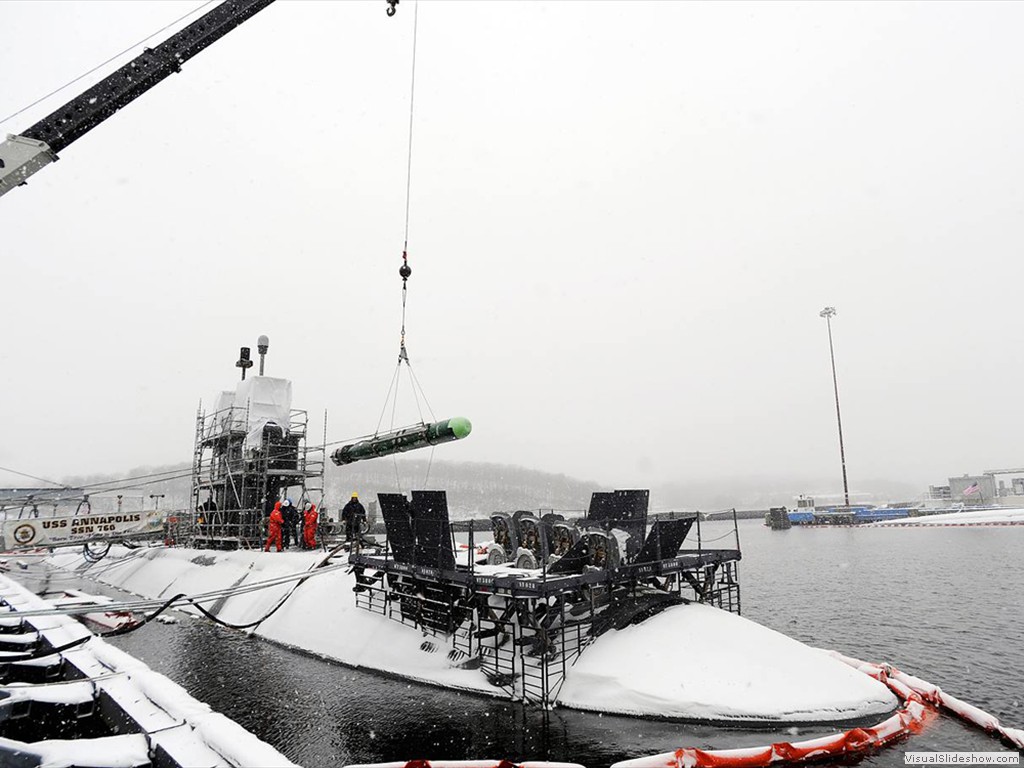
(207, 512)
(276, 521)
(353, 514)
(291, 522)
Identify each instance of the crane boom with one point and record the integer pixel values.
(24, 154)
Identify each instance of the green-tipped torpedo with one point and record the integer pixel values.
(401, 440)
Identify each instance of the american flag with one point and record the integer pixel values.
(974, 488)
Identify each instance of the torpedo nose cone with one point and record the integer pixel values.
(460, 426)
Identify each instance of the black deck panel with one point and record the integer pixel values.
(397, 513)
(622, 509)
(619, 505)
(433, 547)
(572, 561)
(665, 539)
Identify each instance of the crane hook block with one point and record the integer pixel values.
(402, 440)
(391, 7)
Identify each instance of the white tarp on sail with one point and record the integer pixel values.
(73, 529)
(254, 403)
(267, 399)
(226, 417)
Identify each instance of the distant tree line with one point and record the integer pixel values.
(473, 488)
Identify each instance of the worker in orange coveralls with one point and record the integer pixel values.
(309, 527)
(276, 521)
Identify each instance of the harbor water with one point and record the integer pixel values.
(943, 604)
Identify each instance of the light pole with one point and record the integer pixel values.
(828, 313)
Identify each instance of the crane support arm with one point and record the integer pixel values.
(23, 155)
(20, 157)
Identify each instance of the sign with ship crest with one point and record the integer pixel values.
(77, 529)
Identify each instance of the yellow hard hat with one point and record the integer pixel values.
(355, 495)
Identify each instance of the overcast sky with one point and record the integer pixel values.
(625, 219)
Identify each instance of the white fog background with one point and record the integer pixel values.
(625, 218)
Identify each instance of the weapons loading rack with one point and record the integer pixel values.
(524, 628)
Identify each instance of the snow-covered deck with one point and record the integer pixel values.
(184, 731)
(697, 662)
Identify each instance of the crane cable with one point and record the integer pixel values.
(405, 271)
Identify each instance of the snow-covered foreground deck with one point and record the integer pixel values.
(959, 519)
(690, 662)
(150, 719)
